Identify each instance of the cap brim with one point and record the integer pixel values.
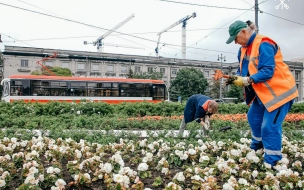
(230, 39)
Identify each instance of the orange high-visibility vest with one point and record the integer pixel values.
(278, 90)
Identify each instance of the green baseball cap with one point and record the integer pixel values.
(234, 29)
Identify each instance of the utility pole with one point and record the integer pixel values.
(221, 81)
(256, 16)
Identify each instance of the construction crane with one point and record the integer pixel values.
(47, 58)
(99, 43)
(184, 21)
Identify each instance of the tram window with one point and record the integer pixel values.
(107, 85)
(20, 88)
(58, 84)
(115, 85)
(41, 91)
(78, 92)
(45, 83)
(158, 92)
(58, 92)
(135, 90)
(78, 84)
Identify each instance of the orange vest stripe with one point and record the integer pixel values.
(278, 90)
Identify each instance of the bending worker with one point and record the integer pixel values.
(269, 87)
(198, 108)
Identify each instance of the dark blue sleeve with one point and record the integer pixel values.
(266, 65)
(239, 57)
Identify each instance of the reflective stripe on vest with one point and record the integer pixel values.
(272, 97)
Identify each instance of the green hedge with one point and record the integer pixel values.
(127, 109)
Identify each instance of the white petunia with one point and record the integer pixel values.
(165, 171)
(179, 176)
(118, 178)
(192, 151)
(2, 183)
(255, 173)
(142, 167)
(60, 183)
(108, 167)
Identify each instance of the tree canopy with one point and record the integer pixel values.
(188, 81)
(58, 71)
(154, 75)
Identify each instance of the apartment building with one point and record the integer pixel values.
(23, 60)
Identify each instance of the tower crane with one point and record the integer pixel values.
(184, 21)
(99, 43)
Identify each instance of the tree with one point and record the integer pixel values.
(58, 71)
(214, 89)
(236, 92)
(154, 75)
(188, 81)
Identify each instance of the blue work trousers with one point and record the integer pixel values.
(266, 129)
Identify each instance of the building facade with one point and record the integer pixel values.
(23, 60)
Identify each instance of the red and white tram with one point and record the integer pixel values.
(32, 88)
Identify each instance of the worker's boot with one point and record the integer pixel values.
(182, 127)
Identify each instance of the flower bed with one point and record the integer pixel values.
(44, 163)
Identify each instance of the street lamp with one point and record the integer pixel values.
(221, 81)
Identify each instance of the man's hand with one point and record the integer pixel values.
(241, 81)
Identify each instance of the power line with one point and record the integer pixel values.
(72, 37)
(16, 39)
(210, 6)
(103, 28)
(283, 18)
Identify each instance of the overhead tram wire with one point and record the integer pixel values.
(16, 39)
(283, 18)
(71, 37)
(209, 6)
(101, 27)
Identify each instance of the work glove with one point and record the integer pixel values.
(241, 81)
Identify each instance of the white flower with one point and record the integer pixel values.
(33, 170)
(55, 188)
(50, 170)
(197, 178)
(179, 176)
(220, 144)
(108, 167)
(228, 186)
(192, 151)
(243, 181)
(78, 112)
(254, 173)
(267, 165)
(60, 183)
(118, 178)
(165, 171)
(57, 170)
(285, 161)
(87, 176)
(2, 183)
(142, 167)
(76, 177)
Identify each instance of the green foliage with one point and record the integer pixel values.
(214, 91)
(58, 71)
(236, 92)
(154, 75)
(188, 81)
(61, 71)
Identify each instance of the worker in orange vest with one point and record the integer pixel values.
(198, 108)
(269, 87)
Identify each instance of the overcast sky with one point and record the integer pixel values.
(206, 34)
